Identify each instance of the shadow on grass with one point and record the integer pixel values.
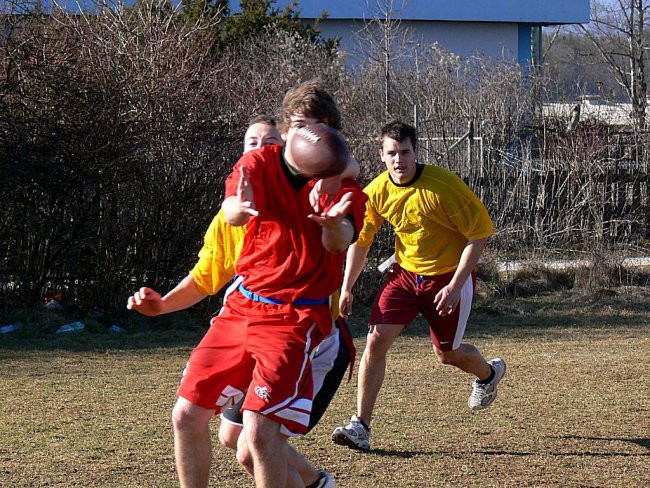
(643, 442)
(563, 454)
(409, 454)
(401, 454)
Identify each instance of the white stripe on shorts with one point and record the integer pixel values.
(276, 408)
(466, 295)
(323, 357)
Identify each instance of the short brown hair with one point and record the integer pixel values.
(400, 132)
(263, 119)
(311, 100)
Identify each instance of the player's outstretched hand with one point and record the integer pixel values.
(146, 301)
(327, 187)
(345, 303)
(335, 215)
(245, 194)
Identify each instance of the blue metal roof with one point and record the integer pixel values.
(519, 11)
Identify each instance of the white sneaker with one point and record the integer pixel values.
(484, 394)
(325, 480)
(354, 435)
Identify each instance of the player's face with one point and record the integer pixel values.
(261, 134)
(399, 158)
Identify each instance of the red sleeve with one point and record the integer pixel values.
(358, 208)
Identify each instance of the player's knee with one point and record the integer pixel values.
(445, 357)
(244, 457)
(228, 437)
(181, 418)
(261, 433)
(378, 342)
(186, 417)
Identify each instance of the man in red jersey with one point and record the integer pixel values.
(260, 346)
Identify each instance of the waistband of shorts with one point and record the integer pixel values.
(298, 301)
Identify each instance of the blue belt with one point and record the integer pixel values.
(299, 301)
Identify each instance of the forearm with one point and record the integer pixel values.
(354, 262)
(468, 260)
(182, 296)
(352, 169)
(337, 238)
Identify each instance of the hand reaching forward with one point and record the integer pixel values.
(146, 301)
(338, 231)
(245, 194)
(335, 215)
(326, 187)
(239, 208)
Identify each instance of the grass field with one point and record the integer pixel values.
(573, 409)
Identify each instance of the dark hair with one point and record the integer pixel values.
(262, 119)
(311, 100)
(400, 132)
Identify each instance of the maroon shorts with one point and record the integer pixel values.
(404, 294)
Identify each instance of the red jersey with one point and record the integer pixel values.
(282, 256)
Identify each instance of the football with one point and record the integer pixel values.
(318, 151)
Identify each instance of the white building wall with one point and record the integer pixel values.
(494, 40)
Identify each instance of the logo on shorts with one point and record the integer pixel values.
(263, 393)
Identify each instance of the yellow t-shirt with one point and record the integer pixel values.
(433, 217)
(217, 258)
(222, 246)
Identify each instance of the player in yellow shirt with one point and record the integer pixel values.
(441, 228)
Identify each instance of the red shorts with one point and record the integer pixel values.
(261, 352)
(404, 294)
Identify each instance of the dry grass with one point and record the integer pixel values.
(572, 411)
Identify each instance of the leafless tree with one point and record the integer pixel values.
(619, 32)
(385, 42)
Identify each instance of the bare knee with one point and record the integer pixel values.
(380, 338)
(261, 433)
(244, 456)
(445, 357)
(229, 434)
(188, 417)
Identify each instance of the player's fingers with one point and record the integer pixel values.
(446, 309)
(343, 309)
(348, 308)
(347, 197)
(340, 209)
(314, 196)
(145, 293)
(252, 211)
(316, 218)
(129, 303)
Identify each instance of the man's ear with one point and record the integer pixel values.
(283, 136)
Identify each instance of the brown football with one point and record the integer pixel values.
(318, 151)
